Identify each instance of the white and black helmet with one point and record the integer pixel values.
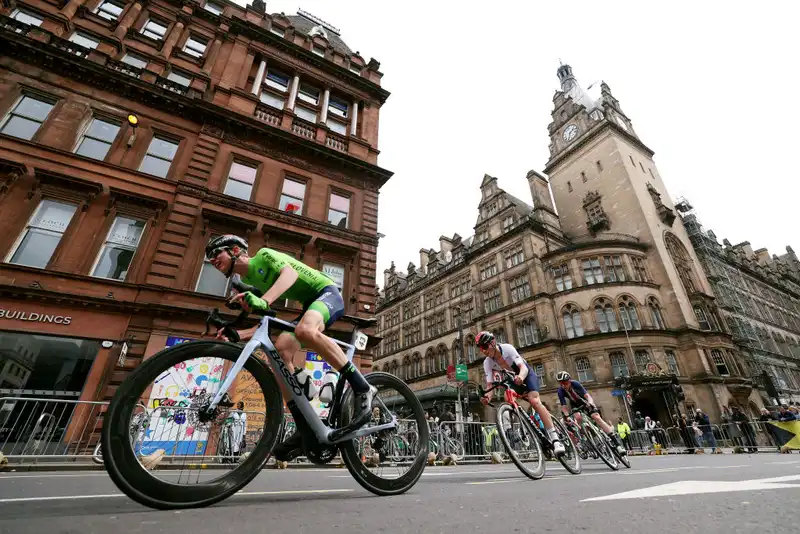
(484, 339)
(563, 376)
(225, 242)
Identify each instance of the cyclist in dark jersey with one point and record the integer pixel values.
(572, 394)
(280, 276)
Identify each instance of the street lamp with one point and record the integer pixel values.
(133, 121)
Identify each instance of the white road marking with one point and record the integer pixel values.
(54, 475)
(692, 487)
(783, 463)
(115, 495)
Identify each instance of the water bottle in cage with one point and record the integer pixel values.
(307, 383)
(328, 386)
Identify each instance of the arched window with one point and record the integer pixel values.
(500, 335)
(472, 353)
(527, 333)
(572, 322)
(404, 373)
(630, 318)
(417, 366)
(458, 354)
(584, 368)
(605, 317)
(619, 365)
(441, 358)
(682, 261)
(655, 314)
(430, 363)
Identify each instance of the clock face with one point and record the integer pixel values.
(570, 132)
(621, 122)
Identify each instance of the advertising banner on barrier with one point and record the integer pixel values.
(786, 434)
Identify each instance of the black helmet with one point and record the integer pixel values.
(223, 242)
(562, 376)
(484, 339)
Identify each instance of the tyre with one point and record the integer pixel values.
(570, 459)
(600, 444)
(97, 455)
(623, 458)
(122, 459)
(398, 397)
(520, 441)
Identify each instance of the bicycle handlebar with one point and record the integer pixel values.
(229, 327)
(505, 382)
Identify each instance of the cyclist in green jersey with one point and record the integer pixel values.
(280, 276)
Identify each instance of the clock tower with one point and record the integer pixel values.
(606, 187)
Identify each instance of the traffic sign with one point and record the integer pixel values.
(451, 372)
(618, 392)
(461, 372)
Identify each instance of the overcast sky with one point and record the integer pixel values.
(710, 87)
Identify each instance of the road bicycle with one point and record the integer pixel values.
(598, 443)
(526, 443)
(207, 399)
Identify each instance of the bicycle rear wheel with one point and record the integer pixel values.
(385, 476)
(520, 441)
(570, 459)
(600, 444)
(180, 432)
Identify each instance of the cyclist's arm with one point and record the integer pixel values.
(285, 280)
(517, 359)
(563, 401)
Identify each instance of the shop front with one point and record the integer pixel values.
(53, 361)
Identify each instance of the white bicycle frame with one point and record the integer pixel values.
(261, 339)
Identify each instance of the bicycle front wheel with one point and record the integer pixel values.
(570, 459)
(520, 441)
(175, 386)
(600, 444)
(380, 472)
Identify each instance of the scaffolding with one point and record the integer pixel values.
(729, 286)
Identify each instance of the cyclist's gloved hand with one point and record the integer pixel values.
(254, 304)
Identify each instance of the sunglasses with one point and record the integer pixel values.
(214, 253)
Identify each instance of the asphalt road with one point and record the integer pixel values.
(685, 494)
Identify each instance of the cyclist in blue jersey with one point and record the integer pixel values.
(526, 383)
(572, 394)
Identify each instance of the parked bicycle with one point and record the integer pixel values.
(138, 428)
(322, 438)
(594, 442)
(525, 443)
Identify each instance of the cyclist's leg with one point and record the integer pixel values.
(532, 395)
(287, 346)
(320, 314)
(609, 430)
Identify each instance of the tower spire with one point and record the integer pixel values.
(566, 77)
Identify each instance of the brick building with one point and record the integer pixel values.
(130, 133)
(759, 299)
(605, 287)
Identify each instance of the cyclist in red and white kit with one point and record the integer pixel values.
(505, 356)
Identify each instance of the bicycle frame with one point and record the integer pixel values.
(321, 430)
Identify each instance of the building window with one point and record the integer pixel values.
(117, 254)
(134, 60)
(280, 32)
(573, 323)
(527, 333)
(719, 362)
(639, 272)
(110, 10)
(308, 93)
(672, 362)
(277, 80)
(592, 272)
(318, 51)
(514, 256)
(508, 222)
(562, 277)
(159, 157)
(240, 182)
(520, 288)
(641, 358)
(305, 114)
(154, 30)
(211, 7)
(81, 39)
(488, 270)
(335, 272)
(27, 116)
(584, 369)
(211, 281)
(630, 317)
(97, 140)
(702, 319)
(179, 78)
(614, 270)
(655, 314)
(539, 370)
(492, 299)
(355, 69)
(292, 196)
(682, 262)
(338, 210)
(605, 317)
(195, 46)
(500, 335)
(26, 17)
(619, 367)
(272, 100)
(471, 352)
(41, 236)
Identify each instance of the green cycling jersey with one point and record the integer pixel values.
(265, 267)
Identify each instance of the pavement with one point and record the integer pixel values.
(686, 494)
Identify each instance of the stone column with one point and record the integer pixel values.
(354, 119)
(293, 93)
(262, 67)
(127, 21)
(323, 116)
(71, 8)
(172, 38)
(211, 58)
